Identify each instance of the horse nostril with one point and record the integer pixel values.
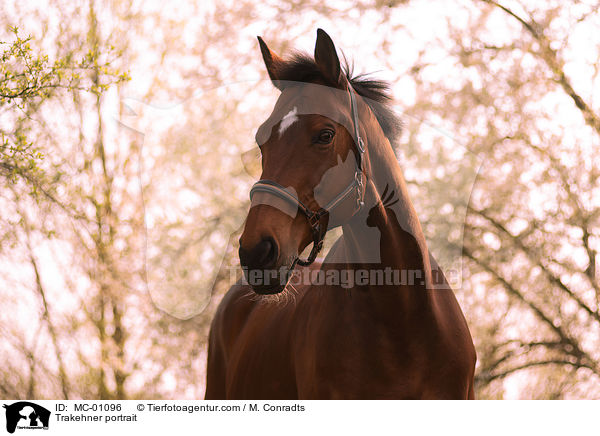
(262, 256)
(264, 252)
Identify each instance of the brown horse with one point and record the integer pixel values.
(375, 319)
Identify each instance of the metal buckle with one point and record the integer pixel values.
(358, 178)
(360, 145)
(359, 189)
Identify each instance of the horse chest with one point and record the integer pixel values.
(341, 361)
(356, 356)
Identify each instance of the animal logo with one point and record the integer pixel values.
(24, 414)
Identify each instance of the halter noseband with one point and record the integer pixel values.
(316, 219)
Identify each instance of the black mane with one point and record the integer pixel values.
(302, 68)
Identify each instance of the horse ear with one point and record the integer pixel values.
(272, 61)
(327, 59)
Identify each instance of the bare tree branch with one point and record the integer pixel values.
(551, 59)
(565, 338)
(488, 377)
(552, 278)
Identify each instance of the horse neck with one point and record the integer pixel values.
(380, 237)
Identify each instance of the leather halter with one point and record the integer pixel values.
(317, 219)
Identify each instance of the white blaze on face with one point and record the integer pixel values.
(288, 120)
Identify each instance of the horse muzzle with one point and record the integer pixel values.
(259, 265)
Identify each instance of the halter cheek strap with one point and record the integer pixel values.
(318, 219)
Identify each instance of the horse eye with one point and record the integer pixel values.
(325, 136)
